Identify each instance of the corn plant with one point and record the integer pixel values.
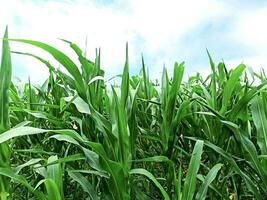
(81, 136)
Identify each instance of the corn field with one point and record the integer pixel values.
(80, 136)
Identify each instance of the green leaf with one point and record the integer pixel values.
(255, 162)
(230, 86)
(29, 163)
(191, 175)
(21, 180)
(54, 172)
(234, 165)
(85, 184)
(153, 159)
(260, 120)
(145, 80)
(5, 82)
(62, 59)
(19, 131)
(141, 171)
(80, 104)
(125, 81)
(87, 65)
(52, 190)
(213, 82)
(201, 195)
(168, 133)
(123, 132)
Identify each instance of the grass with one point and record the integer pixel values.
(77, 136)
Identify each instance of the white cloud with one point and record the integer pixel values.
(250, 28)
(155, 27)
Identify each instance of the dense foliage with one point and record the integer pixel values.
(77, 136)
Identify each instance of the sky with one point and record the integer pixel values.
(164, 31)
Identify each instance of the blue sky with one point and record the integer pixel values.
(165, 31)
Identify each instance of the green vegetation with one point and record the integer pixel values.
(78, 136)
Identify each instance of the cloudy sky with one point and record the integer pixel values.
(165, 31)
